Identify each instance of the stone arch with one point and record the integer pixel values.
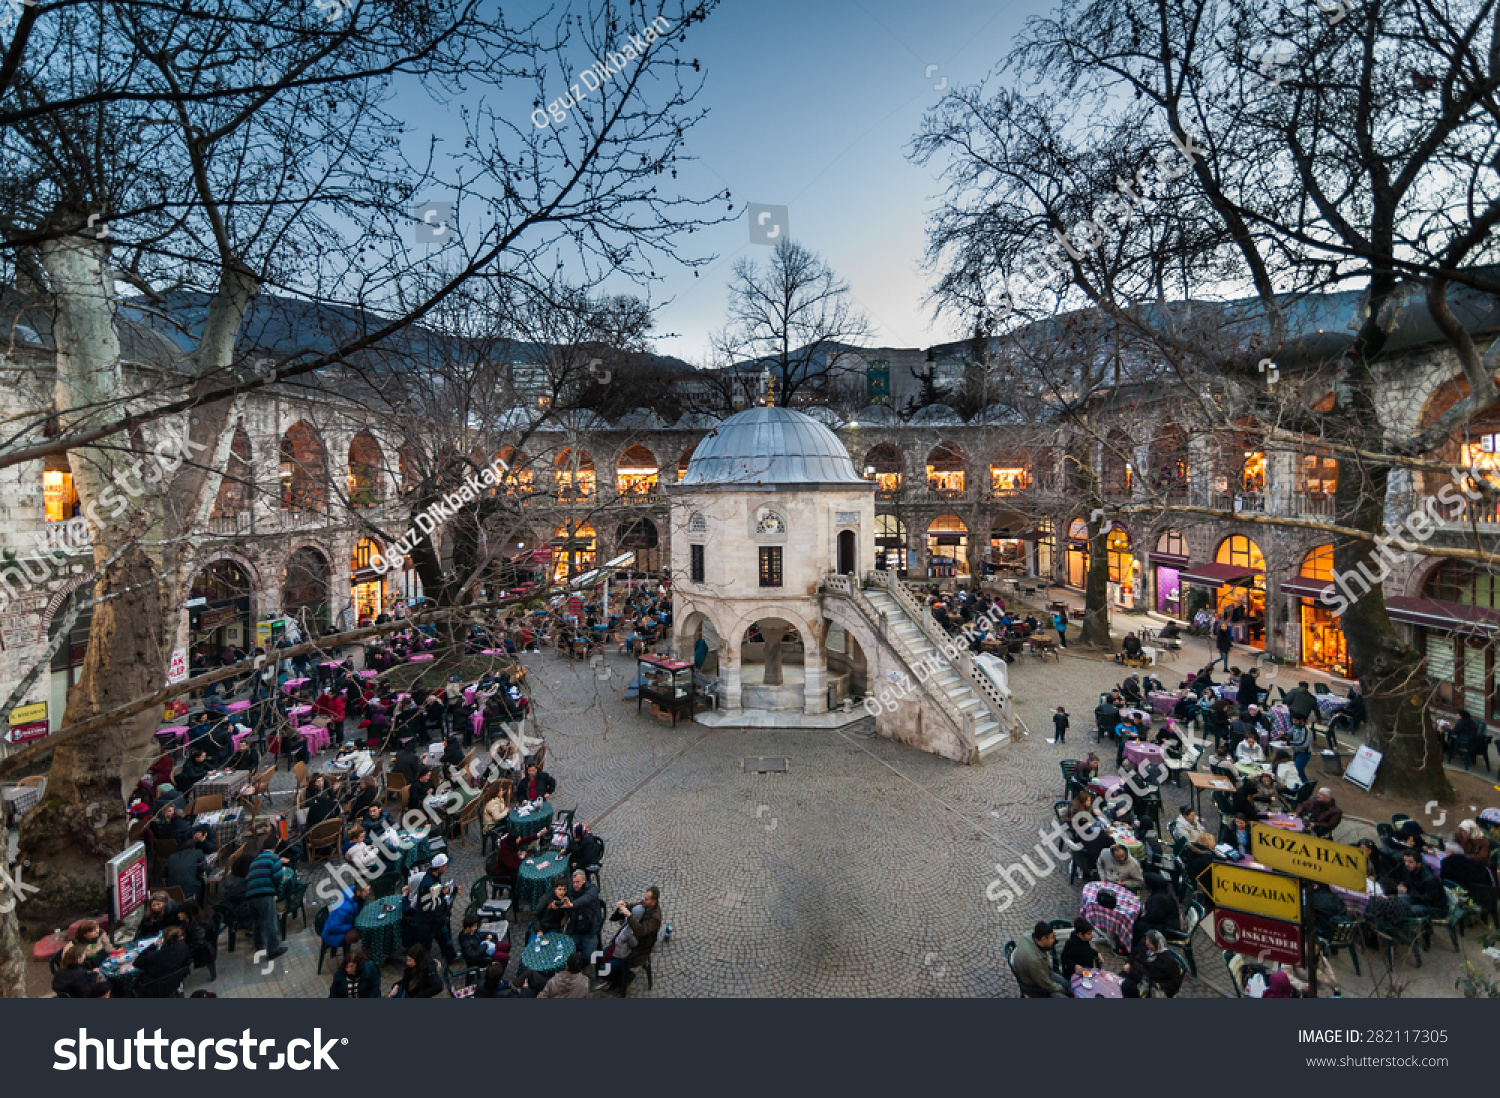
(237, 484)
(366, 470)
(304, 469)
(636, 472)
(55, 603)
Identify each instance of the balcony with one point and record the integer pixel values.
(70, 535)
(232, 525)
(1252, 502)
(1317, 504)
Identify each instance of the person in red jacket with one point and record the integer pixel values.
(331, 707)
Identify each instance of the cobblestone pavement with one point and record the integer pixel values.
(859, 872)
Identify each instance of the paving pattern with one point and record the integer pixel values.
(860, 872)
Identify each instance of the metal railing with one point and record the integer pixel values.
(69, 535)
(977, 681)
(849, 587)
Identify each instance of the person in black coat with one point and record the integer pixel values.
(173, 954)
(1106, 718)
(1417, 883)
(1196, 857)
(1078, 951)
(194, 770)
(537, 784)
(187, 869)
(1152, 961)
(1249, 691)
(419, 978)
(75, 979)
(584, 848)
(357, 978)
(1160, 913)
(408, 764)
(320, 801)
(161, 913)
(171, 825)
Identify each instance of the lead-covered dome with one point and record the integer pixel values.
(762, 446)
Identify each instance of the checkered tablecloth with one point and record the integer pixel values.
(1281, 719)
(1356, 903)
(1329, 704)
(226, 783)
(19, 799)
(1121, 921)
(225, 825)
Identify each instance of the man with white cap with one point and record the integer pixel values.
(432, 907)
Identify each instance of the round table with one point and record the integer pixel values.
(237, 707)
(1103, 985)
(547, 953)
(379, 926)
(536, 821)
(537, 875)
(415, 850)
(298, 710)
(1126, 838)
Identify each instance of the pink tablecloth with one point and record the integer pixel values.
(298, 710)
(1356, 903)
(1142, 715)
(419, 657)
(1119, 922)
(330, 664)
(238, 707)
(1161, 701)
(317, 738)
(493, 651)
(291, 685)
(1139, 753)
(240, 737)
(179, 731)
(1103, 985)
(1106, 784)
(368, 674)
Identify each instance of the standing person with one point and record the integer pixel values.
(1060, 726)
(1224, 642)
(432, 907)
(1300, 739)
(1060, 623)
(260, 895)
(586, 914)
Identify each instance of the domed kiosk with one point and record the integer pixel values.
(769, 505)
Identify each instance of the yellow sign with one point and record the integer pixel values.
(26, 714)
(1257, 892)
(1308, 857)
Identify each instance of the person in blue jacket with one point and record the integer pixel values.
(338, 931)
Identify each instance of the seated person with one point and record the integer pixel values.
(194, 770)
(187, 869)
(1326, 906)
(1160, 913)
(1286, 772)
(319, 801)
(75, 979)
(1321, 813)
(357, 978)
(171, 826)
(1419, 885)
(1236, 833)
(1078, 952)
(1106, 718)
(1463, 871)
(1131, 690)
(508, 859)
(552, 913)
(365, 794)
(1130, 648)
(161, 913)
(96, 946)
(584, 848)
(476, 948)
(1197, 856)
(376, 821)
(1248, 750)
(1407, 837)
(1154, 962)
(1186, 827)
(1032, 961)
(173, 953)
(1244, 801)
(1118, 867)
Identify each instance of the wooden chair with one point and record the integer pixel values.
(176, 894)
(396, 786)
(300, 769)
(467, 815)
(33, 781)
(208, 802)
(322, 841)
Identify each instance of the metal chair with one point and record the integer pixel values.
(1344, 934)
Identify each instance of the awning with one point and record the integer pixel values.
(1305, 587)
(1442, 615)
(1171, 560)
(1219, 575)
(1035, 535)
(366, 575)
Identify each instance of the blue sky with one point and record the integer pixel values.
(813, 104)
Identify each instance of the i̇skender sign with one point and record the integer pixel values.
(1257, 892)
(1308, 857)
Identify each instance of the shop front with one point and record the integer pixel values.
(1236, 586)
(1456, 622)
(1078, 553)
(947, 547)
(1167, 561)
(366, 583)
(574, 550)
(1124, 579)
(890, 544)
(219, 610)
(1320, 638)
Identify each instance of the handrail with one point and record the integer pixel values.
(846, 586)
(939, 638)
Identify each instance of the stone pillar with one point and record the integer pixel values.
(815, 690)
(729, 674)
(772, 635)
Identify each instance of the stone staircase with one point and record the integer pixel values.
(988, 731)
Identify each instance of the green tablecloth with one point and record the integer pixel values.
(413, 848)
(379, 926)
(537, 875)
(547, 953)
(539, 819)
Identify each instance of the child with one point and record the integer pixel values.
(1060, 726)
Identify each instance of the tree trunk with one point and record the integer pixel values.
(12, 956)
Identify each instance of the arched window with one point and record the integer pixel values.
(237, 485)
(636, 472)
(304, 470)
(884, 465)
(890, 543)
(366, 471)
(771, 523)
(575, 474)
(945, 471)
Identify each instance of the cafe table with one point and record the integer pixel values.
(120, 968)
(179, 732)
(547, 953)
(368, 674)
(237, 707)
(239, 738)
(1131, 713)
(1096, 983)
(1329, 704)
(1285, 821)
(1161, 701)
(291, 686)
(1106, 785)
(420, 657)
(524, 826)
(413, 847)
(1139, 753)
(1119, 921)
(298, 710)
(317, 738)
(224, 824)
(226, 783)
(537, 875)
(379, 926)
(1126, 838)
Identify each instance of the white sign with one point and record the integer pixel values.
(177, 670)
(1362, 767)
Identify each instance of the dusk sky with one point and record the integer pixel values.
(813, 106)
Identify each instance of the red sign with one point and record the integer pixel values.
(575, 608)
(126, 875)
(23, 733)
(1256, 936)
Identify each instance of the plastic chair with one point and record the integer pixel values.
(166, 986)
(1183, 939)
(1344, 934)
